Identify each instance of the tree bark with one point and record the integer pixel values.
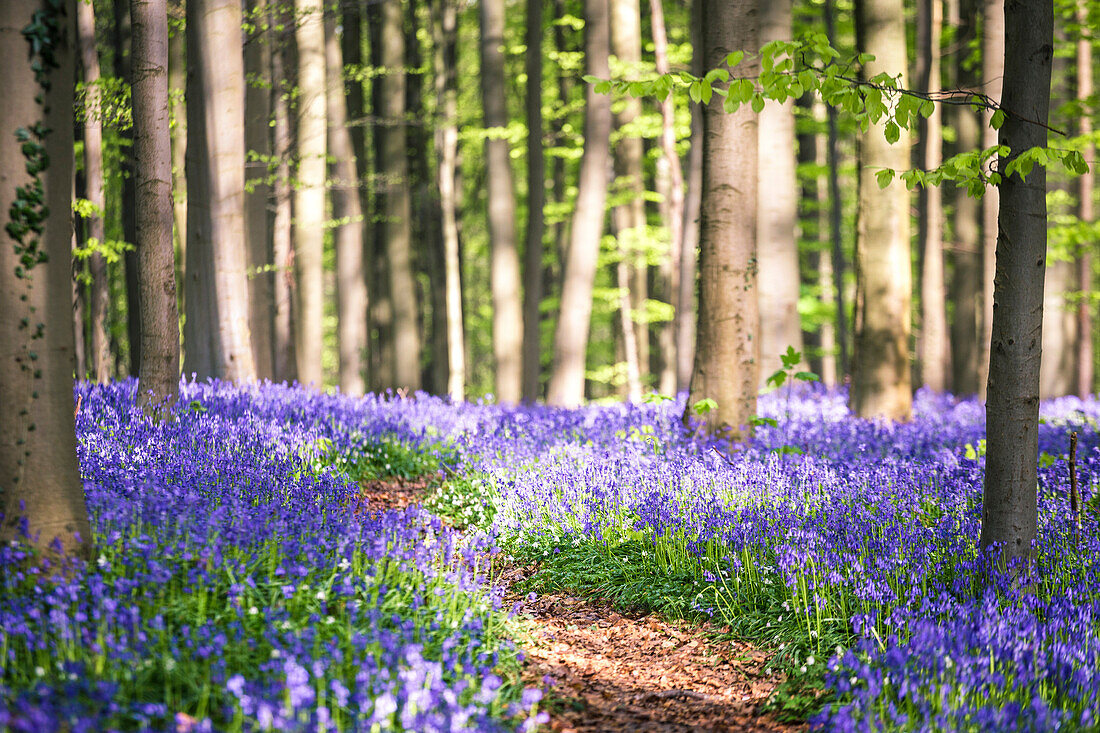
(881, 380)
(1058, 373)
(689, 249)
(257, 131)
(1084, 211)
(935, 356)
(727, 363)
(216, 335)
(501, 205)
(99, 293)
(536, 202)
(121, 38)
(351, 284)
(777, 245)
(966, 283)
(285, 362)
(309, 193)
(1010, 499)
(395, 207)
(158, 378)
(669, 336)
(38, 466)
(836, 232)
(177, 91)
(629, 217)
(993, 67)
(444, 35)
(566, 386)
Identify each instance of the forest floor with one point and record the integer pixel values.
(612, 672)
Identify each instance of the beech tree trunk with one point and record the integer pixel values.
(39, 475)
(536, 202)
(1010, 499)
(309, 193)
(501, 206)
(777, 245)
(566, 387)
(669, 336)
(99, 294)
(1084, 211)
(689, 249)
(629, 217)
(158, 378)
(836, 233)
(285, 362)
(395, 206)
(444, 35)
(121, 38)
(177, 91)
(257, 131)
(351, 284)
(1058, 373)
(935, 356)
(216, 335)
(993, 67)
(881, 380)
(966, 283)
(727, 365)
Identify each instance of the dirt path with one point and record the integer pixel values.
(608, 672)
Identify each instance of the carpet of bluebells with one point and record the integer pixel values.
(236, 586)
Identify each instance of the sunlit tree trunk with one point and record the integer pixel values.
(689, 248)
(574, 317)
(727, 363)
(158, 377)
(993, 58)
(1010, 499)
(629, 218)
(880, 379)
(38, 466)
(395, 208)
(966, 281)
(1084, 211)
(536, 202)
(217, 341)
(351, 284)
(309, 192)
(257, 131)
(99, 299)
(934, 357)
(444, 36)
(501, 205)
(777, 246)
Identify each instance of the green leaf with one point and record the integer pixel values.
(757, 421)
(778, 379)
(735, 58)
(998, 119)
(757, 103)
(927, 108)
(705, 91)
(703, 406)
(807, 377)
(892, 132)
(791, 357)
(717, 75)
(884, 177)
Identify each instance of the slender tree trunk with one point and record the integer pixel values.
(557, 131)
(285, 362)
(381, 304)
(80, 345)
(177, 104)
(993, 57)
(93, 182)
(257, 131)
(669, 337)
(1010, 499)
(966, 282)
(501, 205)
(351, 284)
(1058, 373)
(836, 231)
(444, 35)
(689, 249)
(777, 246)
(812, 151)
(629, 217)
(727, 353)
(121, 32)
(935, 356)
(395, 204)
(536, 202)
(881, 379)
(574, 318)
(309, 193)
(41, 479)
(158, 379)
(1084, 210)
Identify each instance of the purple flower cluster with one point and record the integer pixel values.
(235, 587)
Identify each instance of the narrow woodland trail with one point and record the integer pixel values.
(608, 672)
